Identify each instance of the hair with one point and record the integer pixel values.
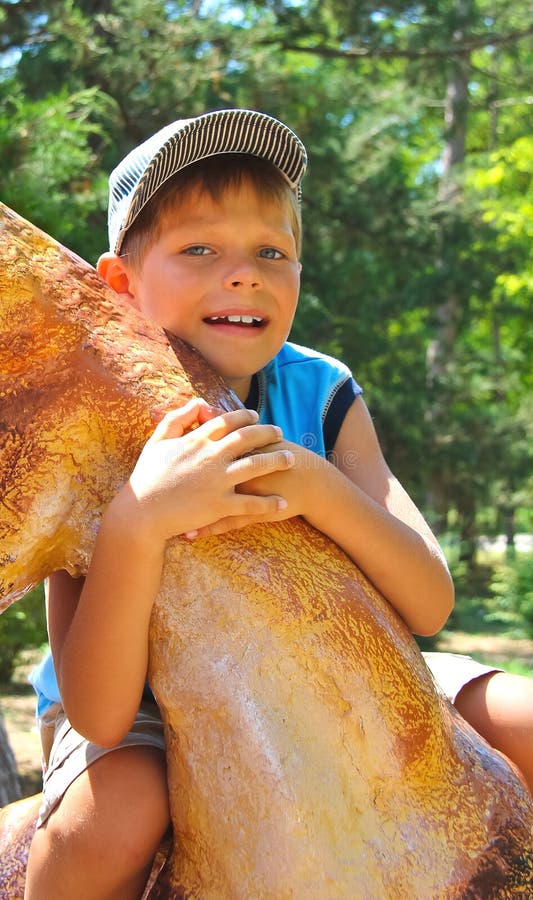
(214, 176)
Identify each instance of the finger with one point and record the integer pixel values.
(249, 467)
(223, 526)
(177, 421)
(206, 412)
(251, 439)
(272, 509)
(225, 424)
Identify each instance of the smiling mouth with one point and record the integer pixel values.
(247, 321)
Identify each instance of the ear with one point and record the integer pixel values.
(115, 272)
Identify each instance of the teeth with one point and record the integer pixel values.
(237, 320)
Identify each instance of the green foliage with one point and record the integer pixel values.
(416, 270)
(48, 161)
(22, 627)
(494, 598)
(512, 586)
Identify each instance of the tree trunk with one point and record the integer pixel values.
(441, 349)
(467, 510)
(9, 782)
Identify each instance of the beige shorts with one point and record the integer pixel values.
(451, 671)
(66, 754)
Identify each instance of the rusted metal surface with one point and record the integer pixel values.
(310, 755)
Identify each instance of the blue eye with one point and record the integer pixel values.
(197, 250)
(270, 253)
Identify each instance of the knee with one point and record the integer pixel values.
(500, 707)
(81, 837)
(499, 703)
(115, 815)
(105, 832)
(121, 844)
(137, 818)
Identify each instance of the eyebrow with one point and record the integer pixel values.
(198, 226)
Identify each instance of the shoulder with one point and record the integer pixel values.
(306, 392)
(296, 355)
(295, 363)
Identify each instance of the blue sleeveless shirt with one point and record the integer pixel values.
(308, 395)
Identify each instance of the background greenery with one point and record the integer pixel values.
(417, 208)
(22, 627)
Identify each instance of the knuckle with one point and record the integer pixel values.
(251, 504)
(173, 414)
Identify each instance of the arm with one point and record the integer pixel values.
(360, 505)
(363, 508)
(182, 481)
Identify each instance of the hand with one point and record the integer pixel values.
(186, 476)
(296, 484)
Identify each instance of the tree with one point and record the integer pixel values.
(9, 783)
(409, 274)
(22, 627)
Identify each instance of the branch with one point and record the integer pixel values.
(457, 49)
(511, 101)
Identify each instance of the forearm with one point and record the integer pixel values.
(103, 661)
(184, 479)
(407, 567)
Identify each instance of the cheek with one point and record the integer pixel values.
(156, 309)
(291, 294)
(168, 312)
(156, 301)
(151, 307)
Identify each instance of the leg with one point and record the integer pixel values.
(99, 843)
(500, 707)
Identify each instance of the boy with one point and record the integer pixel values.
(205, 239)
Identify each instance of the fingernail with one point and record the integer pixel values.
(191, 534)
(282, 504)
(289, 456)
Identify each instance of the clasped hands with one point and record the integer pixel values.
(205, 472)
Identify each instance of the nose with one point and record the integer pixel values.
(242, 272)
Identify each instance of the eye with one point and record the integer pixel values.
(271, 253)
(197, 250)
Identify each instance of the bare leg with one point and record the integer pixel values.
(100, 841)
(500, 707)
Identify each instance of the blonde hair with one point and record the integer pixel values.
(214, 176)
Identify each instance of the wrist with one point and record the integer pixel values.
(128, 524)
(319, 481)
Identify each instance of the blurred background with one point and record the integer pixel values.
(417, 262)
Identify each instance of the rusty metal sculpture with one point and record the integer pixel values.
(309, 752)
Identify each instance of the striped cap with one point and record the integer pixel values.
(143, 171)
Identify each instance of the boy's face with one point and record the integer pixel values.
(223, 276)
